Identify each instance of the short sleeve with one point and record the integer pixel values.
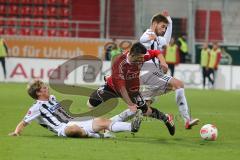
(151, 54)
(145, 39)
(32, 114)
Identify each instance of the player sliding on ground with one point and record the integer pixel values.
(49, 114)
(153, 76)
(124, 83)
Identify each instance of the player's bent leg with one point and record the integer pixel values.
(181, 101)
(166, 118)
(100, 124)
(94, 100)
(75, 131)
(101, 95)
(106, 124)
(123, 116)
(175, 84)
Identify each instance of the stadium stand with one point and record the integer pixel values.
(215, 25)
(35, 17)
(71, 18)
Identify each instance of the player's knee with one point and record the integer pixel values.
(101, 123)
(176, 83)
(92, 103)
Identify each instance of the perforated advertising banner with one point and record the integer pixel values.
(57, 48)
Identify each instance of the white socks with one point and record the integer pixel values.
(182, 104)
(119, 126)
(123, 116)
(180, 100)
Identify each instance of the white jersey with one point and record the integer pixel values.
(152, 78)
(160, 42)
(48, 114)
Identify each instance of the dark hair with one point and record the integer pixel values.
(138, 48)
(159, 18)
(34, 88)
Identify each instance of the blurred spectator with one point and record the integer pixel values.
(215, 57)
(172, 55)
(115, 51)
(108, 49)
(183, 48)
(205, 55)
(3, 54)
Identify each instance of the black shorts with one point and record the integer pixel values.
(104, 93)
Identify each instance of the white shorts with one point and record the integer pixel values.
(153, 82)
(85, 125)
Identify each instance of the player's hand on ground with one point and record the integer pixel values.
(133, 107)
(164, 67)
(13, 134)
(165, 13)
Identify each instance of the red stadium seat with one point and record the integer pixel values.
(51, 12)
(38, 11)
(64, 23)
(37, 32)
(52, 2)
(26, 2)
(25, 22)
(1, 31)
(51, 32)
(1, 21)
(52, 23)
(25, 10)
(64, 2)
(12, 21)
(2, 9)
(63, 33)
(10, 31)
(64, 12)
(38, 2)
(13, 1)
(25, 31)
(38, 22)
(13, 10)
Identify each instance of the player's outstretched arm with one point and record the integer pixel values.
(168, 33)
(126, 98)
(158, 54)
(19, 129)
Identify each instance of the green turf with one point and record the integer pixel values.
(221, 108)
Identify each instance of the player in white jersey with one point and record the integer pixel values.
(153, 75)
(49, 114)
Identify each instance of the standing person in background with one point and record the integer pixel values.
(205, 55)
(108, 49)
(172, 55)
(115, 52)
(183, 48)
(215, 57)
(3, 54)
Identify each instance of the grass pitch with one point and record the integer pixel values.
(221, 108)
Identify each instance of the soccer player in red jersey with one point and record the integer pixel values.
(124, 82)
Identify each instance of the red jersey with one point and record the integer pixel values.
(126, 74)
